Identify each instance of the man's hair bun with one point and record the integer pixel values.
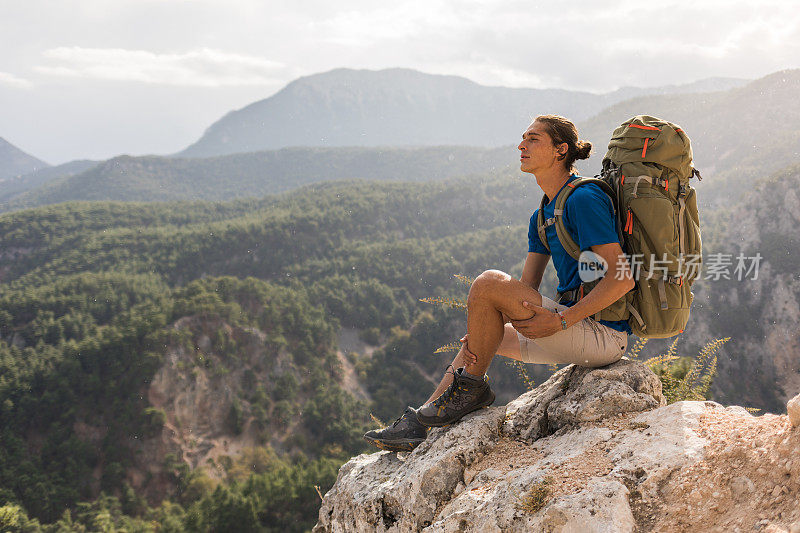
(563, 131)
(584, 150)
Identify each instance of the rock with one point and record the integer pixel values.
(603, 506)
(793, 408)
(462, 478)
(375, 492)
(741, 488)
(593, 394)
(579, 394)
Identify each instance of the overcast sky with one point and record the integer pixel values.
(97, 78)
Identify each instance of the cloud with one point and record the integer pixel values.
(10, 80)
(203, 67)
(583, 44)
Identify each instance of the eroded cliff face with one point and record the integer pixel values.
(589, 450)
(760, 313)
(201, 391)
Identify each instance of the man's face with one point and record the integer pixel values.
(536, 149)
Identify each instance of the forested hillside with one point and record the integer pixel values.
(759, 308)
(160, 179)
(177, 363)
(12, 187)
(114, 316)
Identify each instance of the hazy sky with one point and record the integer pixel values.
(96, 78)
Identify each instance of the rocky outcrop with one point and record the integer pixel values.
(578, 394)
(451, 483)
(589, 450)
(793, 409)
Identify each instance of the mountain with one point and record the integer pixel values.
(738, 135)
(395, 107)
(12, 187)
(152, 178)
(706, 85)
(14, 162)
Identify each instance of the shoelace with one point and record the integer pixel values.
(445, 397)
(399, 418)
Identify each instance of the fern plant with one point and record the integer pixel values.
(683, 378)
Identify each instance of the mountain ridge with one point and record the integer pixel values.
(347, 107)
(14, 162)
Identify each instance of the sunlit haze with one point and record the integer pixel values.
(92, 79)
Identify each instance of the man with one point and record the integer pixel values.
(510, 317)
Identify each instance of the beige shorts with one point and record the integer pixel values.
(587, 343)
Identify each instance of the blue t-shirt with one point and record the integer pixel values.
(589, 219)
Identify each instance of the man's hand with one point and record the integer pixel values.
(542, 324)
(468, 358)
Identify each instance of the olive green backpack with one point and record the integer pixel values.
(646, 172)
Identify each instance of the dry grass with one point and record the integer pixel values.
(536, 496)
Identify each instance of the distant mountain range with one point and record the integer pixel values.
(401, 107)
(14, 162)
(13, 187)
(737, 135)
(154, 178)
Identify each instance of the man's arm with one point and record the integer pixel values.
(617, 281)
(533, 270)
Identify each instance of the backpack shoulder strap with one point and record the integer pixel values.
(566, 240)
(541, 224)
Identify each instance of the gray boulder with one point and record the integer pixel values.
(479, 474)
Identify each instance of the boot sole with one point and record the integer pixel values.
(445, 423)
(405, 445)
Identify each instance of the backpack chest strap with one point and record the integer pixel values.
(552, 220)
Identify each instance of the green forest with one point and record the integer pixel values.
(116, 316)
(97, 297)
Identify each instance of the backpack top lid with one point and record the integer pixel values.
(645, 139)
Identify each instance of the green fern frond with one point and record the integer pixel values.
(377, 421)
(523, 374)
(452, 347)
(660, 360)
(464, 279)
(449, 302)
(673, 348)
(636, 349)
(697, 381)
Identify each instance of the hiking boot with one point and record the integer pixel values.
(405, 434)
(462, 397)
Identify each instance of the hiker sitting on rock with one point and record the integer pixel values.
(510, 317)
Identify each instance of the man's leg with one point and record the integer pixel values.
(493, 294)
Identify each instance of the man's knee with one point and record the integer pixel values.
(485, 284)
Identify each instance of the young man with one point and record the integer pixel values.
(510, 317)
